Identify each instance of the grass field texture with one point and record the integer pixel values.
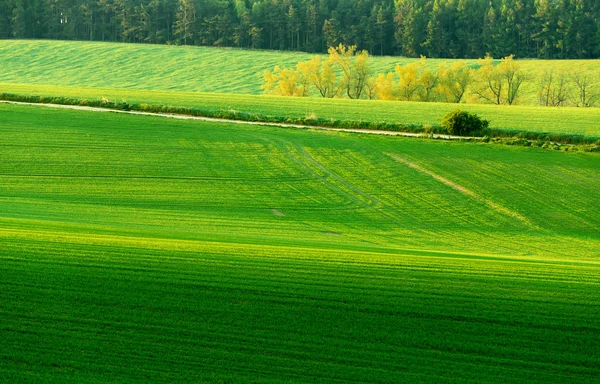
(142, 249)
(577, 121)
(216, 79)
(188, 69)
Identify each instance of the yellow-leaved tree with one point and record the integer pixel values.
(285, 82)
(354, 67)
(513, 76)
(498, 84)
(428, 81)
(409, 80)
(454, 81)
(489, 85)
(323, 76)
(385, 87)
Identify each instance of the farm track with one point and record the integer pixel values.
(462, 189)
(232, 121)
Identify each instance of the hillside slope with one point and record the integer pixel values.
(143, 249)
(184, 69)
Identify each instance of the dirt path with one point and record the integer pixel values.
(217, 120)
(497, 207)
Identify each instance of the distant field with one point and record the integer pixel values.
(582, 121)
(143, 249)
(184, 69)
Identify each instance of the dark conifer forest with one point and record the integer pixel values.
(548, 29)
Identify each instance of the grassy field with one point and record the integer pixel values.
(142, 249)
(215, 79)
(186, 69)
(579, 121)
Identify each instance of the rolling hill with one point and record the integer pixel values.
(144, 249)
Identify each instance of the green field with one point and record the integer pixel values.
(187, 69)
(216, 79)
(143, 249)
(580, 121)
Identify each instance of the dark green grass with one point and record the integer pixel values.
(141, 249)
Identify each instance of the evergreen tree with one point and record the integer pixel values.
(5, 20)
(18, 20)
(469, 28)
(185, 22)
(546, 36)
(437, 28)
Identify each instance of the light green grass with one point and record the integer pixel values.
(579, 121)
(187, 69)
(208, 78)
(142, 249)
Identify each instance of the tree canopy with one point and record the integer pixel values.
(434, 28)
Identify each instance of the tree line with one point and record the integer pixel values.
(434, 28)
(347, 73)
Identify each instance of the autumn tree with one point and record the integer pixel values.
(490, 84)
(429, 82)
(513, 76)
(385, 87)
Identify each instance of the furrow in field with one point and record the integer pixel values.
(465, 191)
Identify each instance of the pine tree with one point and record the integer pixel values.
(547, 25)
(5, 21)
(18, 20)
(469, 27)
(437, 39)
(506, 33)
(293, 27)
(185, 22)
(331, 32)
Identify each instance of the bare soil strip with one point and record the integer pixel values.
(497, 207)
(217, 120)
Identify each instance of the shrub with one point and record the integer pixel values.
(463, 123)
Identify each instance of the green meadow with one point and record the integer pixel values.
(577, 121)
(217, 79)
(144, 249)
(190, 69)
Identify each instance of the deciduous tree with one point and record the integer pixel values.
(354, 67)
(385, 87)
(283, 82)
(552, 88)
(586, 94)
(500, 83)
(409, 80)
(454, 81)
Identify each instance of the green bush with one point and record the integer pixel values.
(463, 123)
